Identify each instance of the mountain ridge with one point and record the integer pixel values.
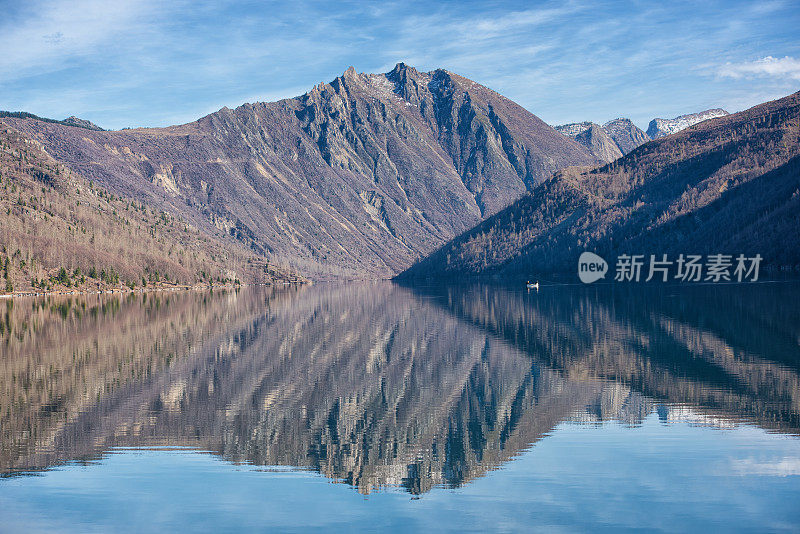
(608, 142)
(61, 232)
(660, 127)
(357, 178)
(728, 185)
(593, 137)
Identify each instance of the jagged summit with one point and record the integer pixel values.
(593, 137)
(661, 127)
(608, 142)
(401, 68)
(625, 134)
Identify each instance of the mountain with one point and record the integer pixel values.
(60, 231)
(625, 134)
(608, 142)
(731, 185)
(594, 138)
(69, 121)
(661, 127)
(358, 178)
(81, 123)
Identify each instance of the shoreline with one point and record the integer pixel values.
(126, 290)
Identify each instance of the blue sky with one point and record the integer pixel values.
(154, 63)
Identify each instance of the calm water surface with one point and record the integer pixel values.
(374, 405)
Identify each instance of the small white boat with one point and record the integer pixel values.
(535, 286)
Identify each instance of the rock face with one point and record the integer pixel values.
(608, 142)
(661, 127)
(625, 134)
(357, 178)
(594, 138)
(728, 186)
(574, 129)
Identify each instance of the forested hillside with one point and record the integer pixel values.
(727, 185)
(59, 231)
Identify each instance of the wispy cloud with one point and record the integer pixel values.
(785, 67)
(51, 35)
(148, 62)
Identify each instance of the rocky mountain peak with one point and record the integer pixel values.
(573, 129)
(660, 127)
(402, 70)
(358, 177)
(593, 137)
(625, 134)
(409, 83)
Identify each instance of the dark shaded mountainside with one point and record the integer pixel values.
(728, 185)
(357, 178)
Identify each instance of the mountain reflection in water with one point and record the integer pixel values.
(375, 384)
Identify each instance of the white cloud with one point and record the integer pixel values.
(57, 32)
(148, 62)
(785, 67)
(780, 468)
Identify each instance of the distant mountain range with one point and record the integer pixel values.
(358, 178)
(619, 136)
(661, 127)
(729, 185)
(594, 138)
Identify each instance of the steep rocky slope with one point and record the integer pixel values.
(608, 142)
(594, 138)
(357, 178)
(60, 231)
(730, 185)
(625, 134)
(661, 127)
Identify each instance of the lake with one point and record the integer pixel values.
(374, 405)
